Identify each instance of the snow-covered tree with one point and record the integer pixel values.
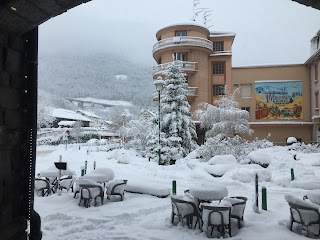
(44, 117)
(137, 133)
(226, 119)
(176, 122)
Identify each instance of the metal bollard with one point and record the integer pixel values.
(292, 174)
(85, 166)
(256, 205)
(174, 187)
(94, 165)
(82, 170)
(264, 198)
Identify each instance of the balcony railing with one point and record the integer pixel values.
(190, 92)
(183, 41)
(186, 67)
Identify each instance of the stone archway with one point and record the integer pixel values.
(19, 22)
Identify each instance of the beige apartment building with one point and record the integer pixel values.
(283, 100)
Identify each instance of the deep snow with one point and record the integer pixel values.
(142, 216)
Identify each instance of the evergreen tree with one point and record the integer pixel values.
(176, 123)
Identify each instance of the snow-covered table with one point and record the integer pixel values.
(100, 175)
(53, 172)
(209, 192)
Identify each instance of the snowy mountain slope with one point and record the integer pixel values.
(96, 76)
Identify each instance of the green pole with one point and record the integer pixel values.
(82, 170)
(174, 187)
(292, 174)
(264, 198)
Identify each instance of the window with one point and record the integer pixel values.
(247, 109)
(316, 71)
(182, 56)
(316, 99)
(218, 46)
(245, 90)
(218, 90)
(181, 33)
(218, 68)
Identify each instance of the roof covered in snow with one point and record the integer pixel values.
(68, 114)
(89, 114)
(184, 22)
(103, 101)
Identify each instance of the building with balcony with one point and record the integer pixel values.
(276, 96)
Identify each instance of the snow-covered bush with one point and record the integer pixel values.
(52, 140)
(291, 140)
(235, 146)
(260, 158)
(137, 131)
(305, 148)
(226, 118)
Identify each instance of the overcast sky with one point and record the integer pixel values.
(267, 31)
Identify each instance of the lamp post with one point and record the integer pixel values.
(159, 86)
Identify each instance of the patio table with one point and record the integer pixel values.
(208, 192)
(100, 175)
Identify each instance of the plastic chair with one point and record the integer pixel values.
(219, 217)
(42, 187)
(66, 183)
(305, 214)
(185, 208)
(116, 188)
(238, 207)
(89, 192)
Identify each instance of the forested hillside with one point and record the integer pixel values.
(100, 76)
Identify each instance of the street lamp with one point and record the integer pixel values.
(159, 86)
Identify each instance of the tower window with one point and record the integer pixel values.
(218, 90)
(182, 56)
(181, 33)
(218, 68)
(218, 46)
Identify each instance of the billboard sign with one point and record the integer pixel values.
(278, 100)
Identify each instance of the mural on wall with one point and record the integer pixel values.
(277, 100)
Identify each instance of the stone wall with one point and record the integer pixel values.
(18, 96)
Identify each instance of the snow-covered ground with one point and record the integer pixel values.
(142, 216)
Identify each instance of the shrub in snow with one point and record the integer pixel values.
(235, 146)
(52, 140)
(137, 131)
(305, 148)
(226, 118)
(123, 158)
(291, 140)
(260, 158)
(223, 159)
(218, 170)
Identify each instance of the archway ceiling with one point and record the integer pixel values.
(20, 16)
(311, 3)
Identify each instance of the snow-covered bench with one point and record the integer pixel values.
(147, 187)
(304, 213)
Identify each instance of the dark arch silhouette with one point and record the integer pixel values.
(19, 21)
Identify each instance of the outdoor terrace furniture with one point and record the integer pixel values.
(100, 175)
(238, 205)
(304, 213)
(42, 187)
(186, 208)
(66, 183)
(209, 192)
(83, 181)
(116, 188)
(216, 216)
(88, 192)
